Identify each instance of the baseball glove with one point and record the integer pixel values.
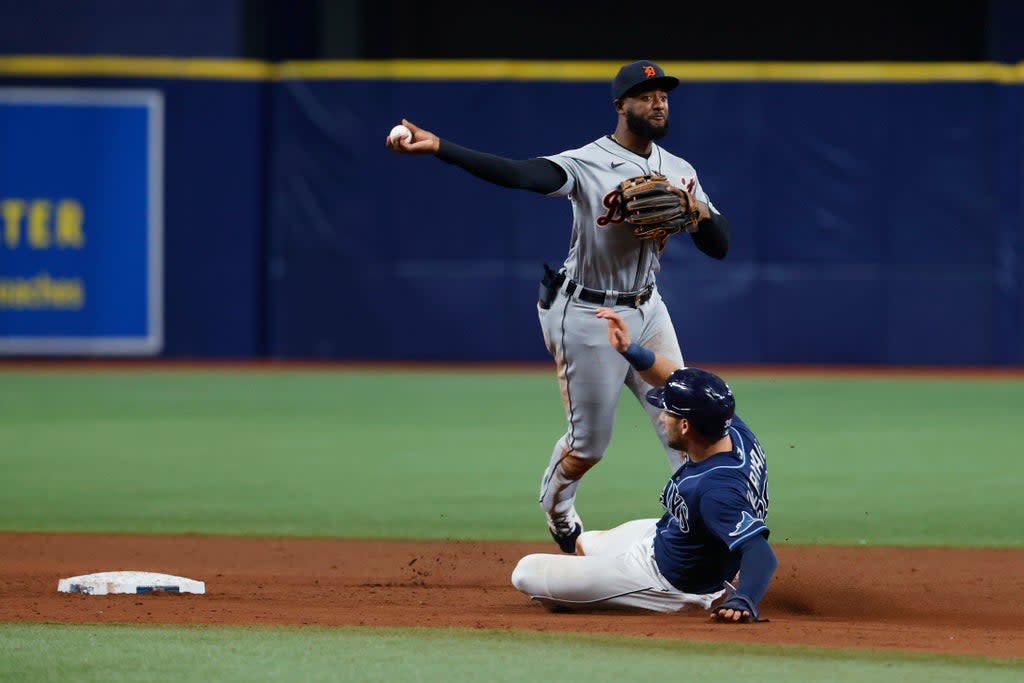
(654, 210)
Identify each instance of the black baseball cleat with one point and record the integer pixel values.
(566, 530)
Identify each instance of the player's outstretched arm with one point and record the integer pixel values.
(538, 175)
(653, 368)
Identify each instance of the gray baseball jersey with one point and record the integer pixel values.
(603, 253)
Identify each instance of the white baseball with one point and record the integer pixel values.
(400, 134)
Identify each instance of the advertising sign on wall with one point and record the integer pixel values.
(81, 221)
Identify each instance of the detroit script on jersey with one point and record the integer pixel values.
(711, 507)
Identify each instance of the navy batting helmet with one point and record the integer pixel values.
(701, 397)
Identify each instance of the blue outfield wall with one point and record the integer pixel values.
(214, 173)
(873, 222)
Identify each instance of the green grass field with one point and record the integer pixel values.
(878, 461)
(118, 654)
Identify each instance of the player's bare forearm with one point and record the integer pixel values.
(618, 337)
(659, 373)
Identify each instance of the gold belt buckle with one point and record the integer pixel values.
(640, 297)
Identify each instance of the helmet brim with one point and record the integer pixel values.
(656, 397)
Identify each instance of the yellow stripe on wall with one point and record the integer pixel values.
(499, 70)
(459, 70)
(136, 67)
(687, 71)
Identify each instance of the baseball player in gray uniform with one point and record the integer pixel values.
(607, 265)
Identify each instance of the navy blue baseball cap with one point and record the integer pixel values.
(701, 397)
(642, 73)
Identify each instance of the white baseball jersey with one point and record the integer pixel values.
(603, 254)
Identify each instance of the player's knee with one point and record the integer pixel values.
(590, 442)
(593, 446)
(526, 573)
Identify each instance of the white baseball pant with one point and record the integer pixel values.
(616, 571)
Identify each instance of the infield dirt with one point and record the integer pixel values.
(934, 600)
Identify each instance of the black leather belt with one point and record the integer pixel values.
(596, 296)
